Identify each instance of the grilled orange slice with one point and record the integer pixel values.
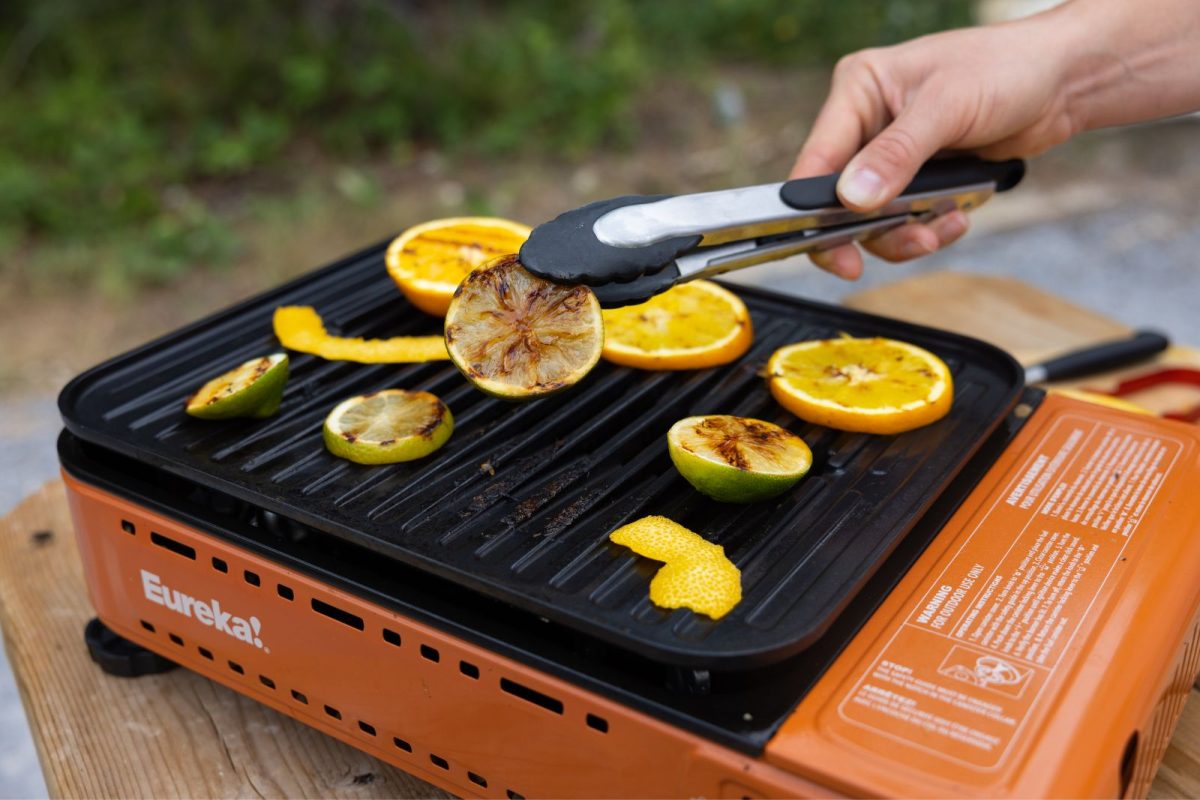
(517, 336)
(696, 573)
(691, 326)
(865, 385)
(430, 260)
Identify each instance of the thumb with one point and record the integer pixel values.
(888, 162)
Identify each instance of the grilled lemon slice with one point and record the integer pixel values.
(865, 385)
(696, 574)
(736, 459)
(251, 389)
(430, 260)
(691, 326)
(517, 336)
(387, 427)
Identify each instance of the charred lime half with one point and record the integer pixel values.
(737, 459)
(388, 427)
(517, 336)
(251, 389)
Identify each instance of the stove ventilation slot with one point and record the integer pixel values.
(531, 695)
(167, 543)
(259, 682)
(339, 614)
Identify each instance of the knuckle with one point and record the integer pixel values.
(821, 159)
(850, 66)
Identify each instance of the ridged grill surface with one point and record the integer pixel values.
(519, 504)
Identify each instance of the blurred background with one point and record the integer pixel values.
(159, 160)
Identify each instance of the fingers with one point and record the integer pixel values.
(900, 244)
(853, 110)
(835, 137)
(888, 162)
(845, 261)
(916, 240)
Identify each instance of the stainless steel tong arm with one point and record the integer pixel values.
(753, 212)
(707, 262)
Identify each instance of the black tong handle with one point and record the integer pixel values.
(943, 174)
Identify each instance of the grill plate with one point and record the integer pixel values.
(567, 470)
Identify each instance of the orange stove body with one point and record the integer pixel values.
(1043, 645)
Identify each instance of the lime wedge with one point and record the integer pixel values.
(737, 459)
(387, 427)
(252, 389)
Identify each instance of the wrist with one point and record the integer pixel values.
(1119, 62)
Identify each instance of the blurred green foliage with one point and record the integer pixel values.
(111, 109)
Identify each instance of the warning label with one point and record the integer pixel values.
(964, 672)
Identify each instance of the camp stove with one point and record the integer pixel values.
(1002, 603)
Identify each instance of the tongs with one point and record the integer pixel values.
(629, 249)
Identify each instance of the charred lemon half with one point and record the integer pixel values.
(517, 336)
(737, 459)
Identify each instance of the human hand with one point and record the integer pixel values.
(997, 91)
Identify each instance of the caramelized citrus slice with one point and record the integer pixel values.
(696, 574)
(691, 326)
(865, 385)
(430, 260)
(300, 328)
(251, 389)
(736, 459)
(387, 427)
(517, 336)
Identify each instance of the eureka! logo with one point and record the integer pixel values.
(205, 612)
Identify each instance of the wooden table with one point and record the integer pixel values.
(179, 735)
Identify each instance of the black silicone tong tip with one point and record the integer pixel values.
(566, 250)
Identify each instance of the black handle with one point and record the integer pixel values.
(1099, 358)
(938, 175)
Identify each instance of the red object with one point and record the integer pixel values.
(1162, 377)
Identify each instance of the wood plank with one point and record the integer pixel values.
(1179, 774)
(1029, 323)
(171, 735)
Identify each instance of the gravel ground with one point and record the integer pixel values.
(1139, 265)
